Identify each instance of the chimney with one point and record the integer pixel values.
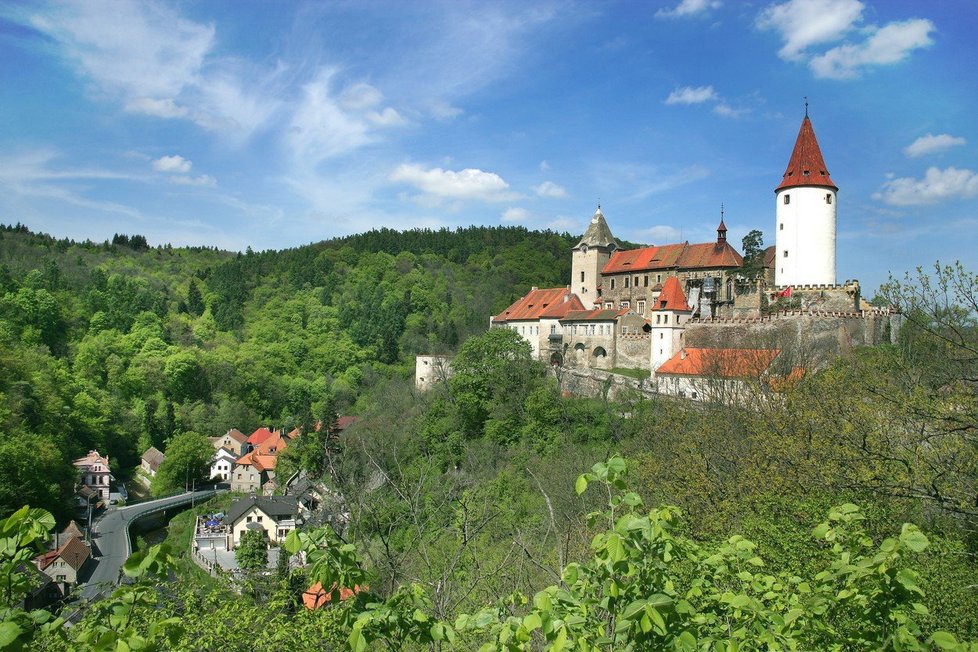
(682, 354)
(534, 288)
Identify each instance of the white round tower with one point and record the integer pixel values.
(806, 217)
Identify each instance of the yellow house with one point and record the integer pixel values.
(276, 515)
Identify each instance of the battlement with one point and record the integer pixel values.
(848, 286)
(790, 314)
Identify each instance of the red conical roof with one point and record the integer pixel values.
(806, 167)
(672, 297)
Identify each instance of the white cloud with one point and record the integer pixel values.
(692, 95)
(936, 186)
(442, 110)
(514, 215)
(725, 110)
(360, 96)
(931, 144)
(887, 45)
(544, 166)
(470, 183)
(551, 190)
(688, 8)
(165, 108)
(174, 163)
(661, 234)
(804, 23)
(202, 180)
(386, 118)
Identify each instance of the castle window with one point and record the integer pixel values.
(828, 198)
(660, 336)
(625, 304)
(583, 290)
(787, 199)
(658, 319)
(781, 227)
(582, 277)
(627, 279)
(641, 307)
(658, 278)
(636, 281)
(785, 253)
(646, 282)
(612, 284)
(677, 319)
(609, 305)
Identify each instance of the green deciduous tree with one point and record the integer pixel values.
(187, 461)
(252, 551)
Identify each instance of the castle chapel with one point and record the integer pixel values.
(633, 307)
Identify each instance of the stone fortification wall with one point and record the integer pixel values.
(806, 339)
(633, 351)
(593, 383)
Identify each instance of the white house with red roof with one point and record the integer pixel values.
(64, 563)
(536, 316)
(724, 375)
(95, 474)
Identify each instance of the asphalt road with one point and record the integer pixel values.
(110, 545)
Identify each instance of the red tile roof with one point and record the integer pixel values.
(707, 255)
(598, 314)
(549, 303)
(74, 552)
(272, 445)
(719, 363)
(672, 297)
(806, 167)
(259, 436)
(315, 597)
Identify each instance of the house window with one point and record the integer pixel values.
(609, 305)
(61, 578)
(553, 329)
(641, 305)
(239, 476)
(658, 318)
(258, 519)
(625, 304)
(828, 198)
(787, 199)
(785, 253)
(248, 520)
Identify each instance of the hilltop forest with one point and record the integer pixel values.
(495, 510)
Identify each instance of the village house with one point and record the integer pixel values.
(95, 474)
(234, 440)
(222, 464)
(276, 516)
(151, 460)
(255, 470)
(64, 563)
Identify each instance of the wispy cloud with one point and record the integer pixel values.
(806, 24)
(931, 144)
(692, 95)
(467, 184)
(660, 234)
(550, 190)
(158, 63)
(936, 186)
(688, 8)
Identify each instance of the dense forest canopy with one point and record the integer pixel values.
(785, 526)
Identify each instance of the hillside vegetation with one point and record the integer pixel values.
(775, 524)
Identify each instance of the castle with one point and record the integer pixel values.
(687, 311)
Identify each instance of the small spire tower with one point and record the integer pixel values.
(589, 257)
(805, 227)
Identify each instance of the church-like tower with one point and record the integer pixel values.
(589, 257)
(806, 216)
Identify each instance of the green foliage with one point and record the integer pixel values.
(187, 460)
(753, 251)
(252, 551)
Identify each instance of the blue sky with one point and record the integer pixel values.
(275, 124)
